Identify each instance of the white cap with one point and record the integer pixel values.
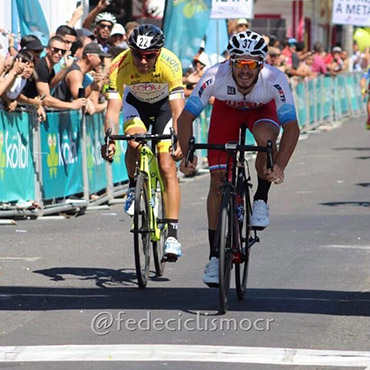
(242, 21)
(202, 58)
(118, 29)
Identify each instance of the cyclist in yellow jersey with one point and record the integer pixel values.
(146, 82)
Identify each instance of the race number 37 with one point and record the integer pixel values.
(144, 41)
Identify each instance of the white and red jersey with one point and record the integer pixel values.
(218, 81)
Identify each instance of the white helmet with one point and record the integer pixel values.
(247, 43)
(105, 16)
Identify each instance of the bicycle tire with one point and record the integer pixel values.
(226, 231)
(142, 231)
(241, 269)
(159, 263)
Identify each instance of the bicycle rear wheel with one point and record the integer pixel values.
(241, 266)
(225, 229)
(142, 230)
(159, 213)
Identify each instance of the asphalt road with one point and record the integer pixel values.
(69, 284)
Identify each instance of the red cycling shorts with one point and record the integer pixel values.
(225, 124)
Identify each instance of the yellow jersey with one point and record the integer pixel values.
(165, 80)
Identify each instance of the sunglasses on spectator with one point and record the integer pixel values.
(274, 55)
(109, 26)
(57, 50)
(147, 55)
(241, 63)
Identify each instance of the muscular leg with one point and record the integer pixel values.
(214, 198)
(132, 154)
(171, 185)
(263, 131)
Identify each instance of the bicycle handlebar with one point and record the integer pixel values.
(229, 147)
(141, 138)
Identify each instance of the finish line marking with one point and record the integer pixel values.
(185, 353)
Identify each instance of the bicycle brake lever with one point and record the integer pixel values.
(190, 153)
(270, 161)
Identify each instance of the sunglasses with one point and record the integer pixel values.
(241, 63)
(274, 55)
(140, 55)
(109, 26)
(57, 50)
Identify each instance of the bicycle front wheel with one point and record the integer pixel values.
(160, 215)
(142, 230)
(241, 266)
(225, 226)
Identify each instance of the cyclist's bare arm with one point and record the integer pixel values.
(185, 131)
(287, 145)
(111, 122)
(176, 105)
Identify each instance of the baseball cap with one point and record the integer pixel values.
(292, 40)
(337, 49)
(202, 58)
(242, 21)
(118, 29)
(34, 45)
(85, 32)
(94, 48)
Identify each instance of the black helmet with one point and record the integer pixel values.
(146, 37)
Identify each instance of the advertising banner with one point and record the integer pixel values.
(119, 171)
(232, 9)
(354, 12)
(95, 163)
(16, 160)
(61, 155)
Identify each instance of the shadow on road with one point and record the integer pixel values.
(335, 204)
(183, 299)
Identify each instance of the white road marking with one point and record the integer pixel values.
(185, 353)
(363, 247)
(27, 259)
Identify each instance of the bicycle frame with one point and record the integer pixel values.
(148, 164)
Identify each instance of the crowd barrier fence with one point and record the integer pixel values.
(57, 164)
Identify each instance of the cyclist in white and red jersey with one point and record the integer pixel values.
(246, 90)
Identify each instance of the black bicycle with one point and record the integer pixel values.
(234, 235)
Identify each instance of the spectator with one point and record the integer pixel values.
(195, 72)
(318, 65)
(34, 46)
(15, 70)
(118, 37)
(241, 25)
(305, 67)
(68, 34)
(345, 59)
(104, 23)
(129, 26)
(289, 51)
(13, 94)
(275, 59)
(334, 62)
(68, 89)
(45, 71)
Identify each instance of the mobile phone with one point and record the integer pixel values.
(78, 3)
(81, 92)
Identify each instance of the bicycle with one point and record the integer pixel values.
(234, 236)
(149, 214)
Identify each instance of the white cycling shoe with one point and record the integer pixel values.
(260, 215)
(211, 273)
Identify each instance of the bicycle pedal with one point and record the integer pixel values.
(212, 285)
(258, 228)
(169, 257)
